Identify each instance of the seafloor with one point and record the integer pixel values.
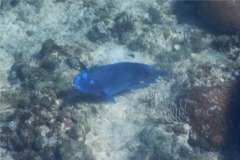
(191, 114)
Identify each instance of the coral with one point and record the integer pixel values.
(138, 45)
(123, 24)
(154, 15)
(7, 4)
(14, 2)
(73, 150)
(229, 45)
(40, 123)
(157, 143)
(222, 15)
(165, 111)
(98, 34)
(207, 111)
(166, 136)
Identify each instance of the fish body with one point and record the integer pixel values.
(108, 80)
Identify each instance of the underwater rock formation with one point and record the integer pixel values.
(222, 15)
(213, 115)
(207, 115)
(160, 143)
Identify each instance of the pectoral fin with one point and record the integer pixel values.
(109, 98)
(133, 86)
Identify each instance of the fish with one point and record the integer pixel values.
(111, 79)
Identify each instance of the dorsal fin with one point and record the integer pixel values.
(82, 66)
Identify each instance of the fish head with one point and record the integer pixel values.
(84, 83)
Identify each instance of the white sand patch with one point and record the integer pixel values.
(112, 53)
(115, 129)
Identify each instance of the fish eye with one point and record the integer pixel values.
(84, 75)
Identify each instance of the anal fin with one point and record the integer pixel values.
(109, 98)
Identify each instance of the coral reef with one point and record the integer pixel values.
(157, 144)
(165, 111)
(41, 119)
(229, 45)
(154, 16)
(207, 116)
(123, 23)
(43, 125)
(98, 34)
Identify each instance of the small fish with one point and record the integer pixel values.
(108, 80)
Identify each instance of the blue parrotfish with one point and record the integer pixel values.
(111, 79)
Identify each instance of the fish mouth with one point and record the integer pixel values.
(75, 83)
(79, 88)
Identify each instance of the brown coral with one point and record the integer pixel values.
(207, 111)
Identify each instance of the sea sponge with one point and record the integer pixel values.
(222, 15)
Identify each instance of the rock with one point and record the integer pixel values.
(74, 150)
(222, 15)
(207, 110)
(159, 142)
(177, 47)
(154, 15)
